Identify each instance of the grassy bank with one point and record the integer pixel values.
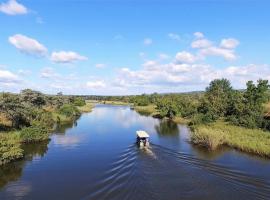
(40, 129)
(219, 133)
(151, 110)
(181, 120)
(87, 107)
(147, 110)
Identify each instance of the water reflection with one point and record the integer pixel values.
(167, 128)
(97, 159)
(13, 171)
(62, 128)
(67, 141)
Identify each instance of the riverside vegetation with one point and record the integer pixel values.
(30, 117)
(220, 115)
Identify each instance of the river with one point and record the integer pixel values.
(97, 158)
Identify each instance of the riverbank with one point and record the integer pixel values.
(216, 134)
(220, 133)
(87, 107)
(151, 110)
(11, 141)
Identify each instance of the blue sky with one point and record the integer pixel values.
(131, 47)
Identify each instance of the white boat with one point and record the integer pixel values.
(142, 138)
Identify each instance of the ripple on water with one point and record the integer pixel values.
(161, 173)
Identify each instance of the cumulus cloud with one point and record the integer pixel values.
(227, 54)
(27, 45)
(174, 36)
(229, 43)
(8, 77)
(147, 41)
(12, 7)
(96, 84)
(66, 57)
(207, 48)
(192, 76)
(185, 57)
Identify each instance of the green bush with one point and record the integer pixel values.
(202, 119)
(79, 102)
(44, 119)
(34, 134)
(69, 110)
(9, 148)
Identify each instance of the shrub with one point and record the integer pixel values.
(202, 119)
(79, 102)
(34, 134)
(69, 110)
(44, 119)
(9, 148)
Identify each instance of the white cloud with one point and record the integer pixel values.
(27, 45)
(185, 57)
(100, 65)
(8, 77)
(12, 7)
(227, 54)
(96, 84)
(150, 64)
(174, 36)
(170, 76)
(198, 35)
(147, 41)
(229, 43)
(201, 43)
(207, 47)
(66, 57)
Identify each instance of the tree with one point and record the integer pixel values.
(34, 98)
(14, 110)
(217, 98)
(247, 109)
(167, 107)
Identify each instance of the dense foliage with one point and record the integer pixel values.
(31, 115)
(33, 134)
(219, 101)
(9, 148)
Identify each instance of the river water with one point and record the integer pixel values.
(97, 158)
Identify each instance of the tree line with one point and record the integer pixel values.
(219, 101)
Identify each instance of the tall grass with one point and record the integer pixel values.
(147, 110)
(220, 133)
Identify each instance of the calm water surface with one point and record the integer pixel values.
(97, 158)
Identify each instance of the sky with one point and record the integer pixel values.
(123, 47)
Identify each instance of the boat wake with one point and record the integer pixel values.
(161, 173)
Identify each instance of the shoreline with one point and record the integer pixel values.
(216, 134)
